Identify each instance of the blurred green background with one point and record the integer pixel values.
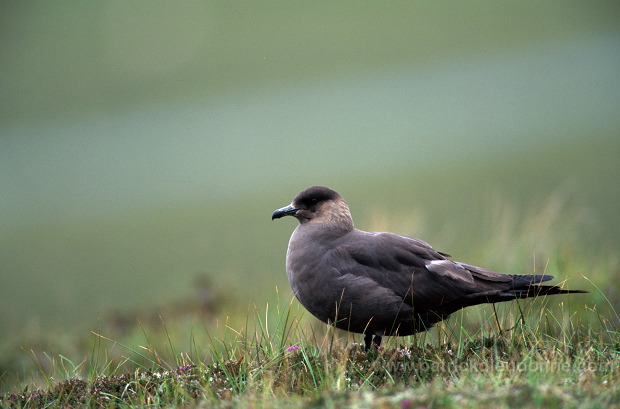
(144, 144)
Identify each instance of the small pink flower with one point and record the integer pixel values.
(292, 348)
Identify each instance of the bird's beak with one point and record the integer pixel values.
(285, 211)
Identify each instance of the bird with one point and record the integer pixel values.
(383, 284)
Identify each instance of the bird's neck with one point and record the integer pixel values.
(324, 231)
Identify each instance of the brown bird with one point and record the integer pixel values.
(376, 283)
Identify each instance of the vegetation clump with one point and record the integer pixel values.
(487, 371)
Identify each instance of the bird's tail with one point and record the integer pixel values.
(522, 286)
(528, 285)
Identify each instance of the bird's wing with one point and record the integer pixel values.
(412, 269)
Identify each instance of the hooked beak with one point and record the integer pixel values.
(285, 211)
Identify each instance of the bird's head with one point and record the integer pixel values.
(318, 204)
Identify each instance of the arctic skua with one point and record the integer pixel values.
(379, 284)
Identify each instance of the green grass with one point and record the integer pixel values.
(559, 351)
(548, 357)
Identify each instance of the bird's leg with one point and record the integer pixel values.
(369, 341)
(377, 341)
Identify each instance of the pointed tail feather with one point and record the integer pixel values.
(524, 286)
(541, 290)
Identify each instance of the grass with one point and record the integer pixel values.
(558, 351)
(542, 360)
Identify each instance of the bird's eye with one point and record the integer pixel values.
(311, 201)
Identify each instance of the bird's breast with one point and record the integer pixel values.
(311, 277)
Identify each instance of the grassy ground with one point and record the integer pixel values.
(561, 351)
(547, 358)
